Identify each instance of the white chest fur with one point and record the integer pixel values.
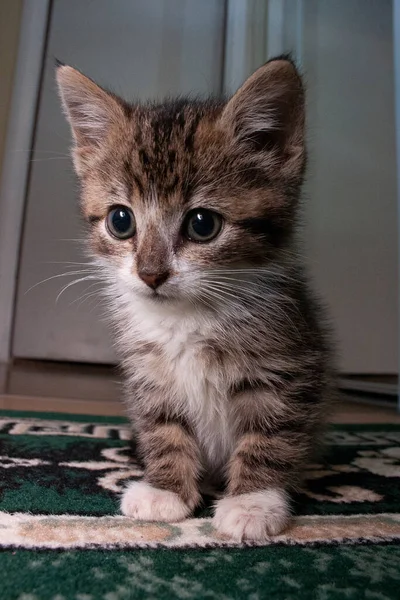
(197, 382)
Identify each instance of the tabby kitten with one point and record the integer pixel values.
(192, 210)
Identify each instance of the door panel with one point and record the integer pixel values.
(351, 197)
(345, 49)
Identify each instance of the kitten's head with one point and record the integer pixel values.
(181, 194)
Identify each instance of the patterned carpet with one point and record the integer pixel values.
(61, 536)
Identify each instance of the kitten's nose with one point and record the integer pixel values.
(153, 280)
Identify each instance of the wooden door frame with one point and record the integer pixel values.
(17, 152)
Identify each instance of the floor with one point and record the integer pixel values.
(96, 390)
(61, 387)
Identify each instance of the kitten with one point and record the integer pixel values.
(192, 209)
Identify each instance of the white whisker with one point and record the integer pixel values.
(88, 294)
(87, 278)
(70, 262)
(80, 272)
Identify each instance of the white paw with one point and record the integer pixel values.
(253, 516)
(142, 501)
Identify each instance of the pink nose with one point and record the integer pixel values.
(153, 280)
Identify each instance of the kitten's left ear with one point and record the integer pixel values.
(266, 116)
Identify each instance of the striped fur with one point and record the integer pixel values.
(228, 363)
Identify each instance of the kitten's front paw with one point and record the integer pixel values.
(253, 516)
(142, 501)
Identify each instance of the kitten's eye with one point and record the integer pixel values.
(202, 225)
(121, 223)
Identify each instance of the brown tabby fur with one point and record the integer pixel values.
(258, 353)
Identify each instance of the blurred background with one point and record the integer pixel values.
(152, 48)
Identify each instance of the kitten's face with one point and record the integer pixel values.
(185, 195)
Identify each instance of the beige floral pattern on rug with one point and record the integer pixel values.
(63, 531)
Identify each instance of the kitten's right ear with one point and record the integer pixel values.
(90, 110)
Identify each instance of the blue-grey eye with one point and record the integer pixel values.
(202, 225)
(121, 222)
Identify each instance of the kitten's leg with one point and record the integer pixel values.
(169, 491)
(255, 505)
(264, 464)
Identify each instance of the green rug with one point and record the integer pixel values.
(61, 536)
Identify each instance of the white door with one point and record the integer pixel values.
(351, 199)
(141, 49)
(345, 49)
(145, 48)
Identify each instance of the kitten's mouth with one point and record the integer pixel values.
(156, 296)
